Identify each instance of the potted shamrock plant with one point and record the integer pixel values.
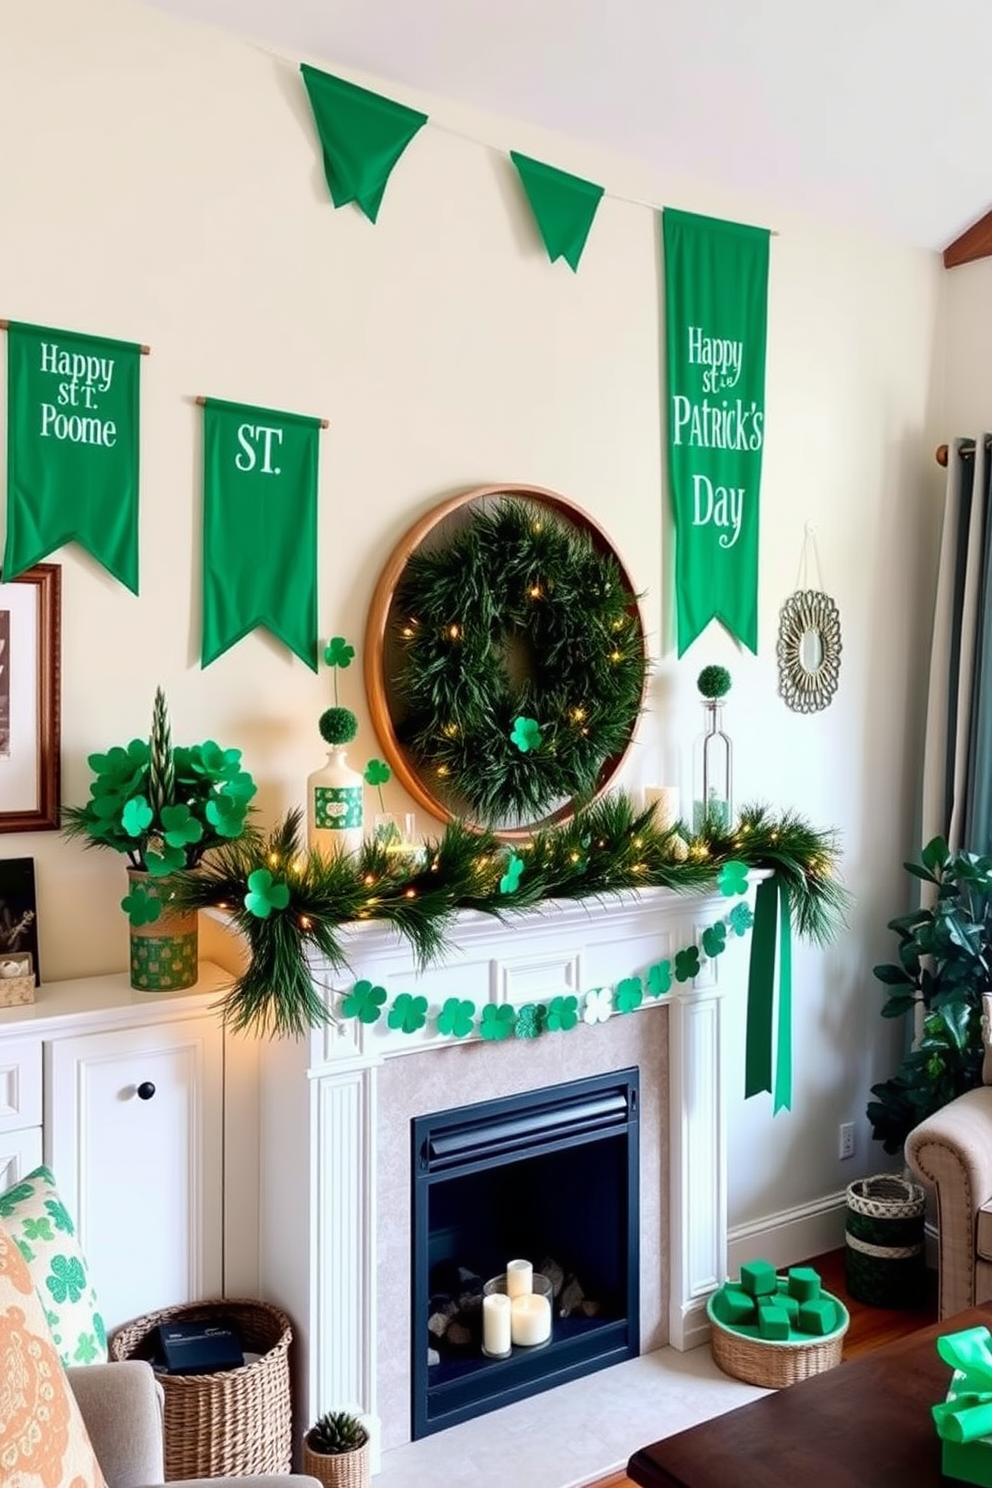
(163, 807)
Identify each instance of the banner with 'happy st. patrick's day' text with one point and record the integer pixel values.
(716, 305)
(259, 527)
(72, 448)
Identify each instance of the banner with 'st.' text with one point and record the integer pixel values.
(716, 301)
(72, 449)
(259, 527)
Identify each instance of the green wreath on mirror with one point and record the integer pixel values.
(522, 662)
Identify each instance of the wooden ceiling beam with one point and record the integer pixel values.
(975, 242)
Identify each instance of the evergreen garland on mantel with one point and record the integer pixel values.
(288, 901)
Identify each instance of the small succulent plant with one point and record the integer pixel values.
(336, 1432)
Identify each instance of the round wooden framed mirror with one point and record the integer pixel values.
(505, 660)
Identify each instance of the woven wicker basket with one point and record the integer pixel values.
(237, 1421)
(885, 1258)
(340, 1470)
(772, 1362)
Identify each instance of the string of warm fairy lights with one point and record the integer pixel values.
(291, 903)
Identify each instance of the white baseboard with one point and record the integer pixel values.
(791, 1236)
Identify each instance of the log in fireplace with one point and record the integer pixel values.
(546, 1173)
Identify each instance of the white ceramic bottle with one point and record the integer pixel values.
(335, 812)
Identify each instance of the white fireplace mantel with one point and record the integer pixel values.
(324, 1237)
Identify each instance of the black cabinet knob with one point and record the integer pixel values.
(146, 1090)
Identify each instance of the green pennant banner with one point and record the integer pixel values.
(259, 527)
(72, 449)
(563, 206)
(716, 296)
(362, 136)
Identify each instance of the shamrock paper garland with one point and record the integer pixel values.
(457, 1017)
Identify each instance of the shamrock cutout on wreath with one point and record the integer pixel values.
(510, 881)
(456, 1017)
(599, 1006)
(732, 878)
(629, 995)
(180, 825)
(364, 1002)
(408, 1013)
(226, 814)
(526, 734)
(563, 1014)
(659, 978)
(265, 894)
(687, 964)
(530, 1020)
(740, 919)
(142, 908)
(497, 1022)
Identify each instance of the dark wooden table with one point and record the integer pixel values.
(863, 1424)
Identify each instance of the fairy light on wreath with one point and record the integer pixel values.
(522, 662)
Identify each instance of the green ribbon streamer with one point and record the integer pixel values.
(761, 990)
(716, 291)
(783, 1046)
(362, 136)
(563, 206)
(968, 1415)
(72, 449)
(259, 527)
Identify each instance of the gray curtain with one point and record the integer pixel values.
(957, 784)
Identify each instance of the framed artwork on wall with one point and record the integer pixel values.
(18, 918)
(30, 665)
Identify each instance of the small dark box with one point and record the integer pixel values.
(199, 1348)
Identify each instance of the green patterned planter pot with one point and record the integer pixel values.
(164, 954)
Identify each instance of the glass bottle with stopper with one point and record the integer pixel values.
(712, 764)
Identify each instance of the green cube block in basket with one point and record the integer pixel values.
(885, 1259)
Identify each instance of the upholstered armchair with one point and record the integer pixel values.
(122, 1406)
(952, 1152)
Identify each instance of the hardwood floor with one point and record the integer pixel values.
(871, 1327)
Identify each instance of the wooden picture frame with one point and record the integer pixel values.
(30, 721)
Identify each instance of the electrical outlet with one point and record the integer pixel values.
(845, 1145)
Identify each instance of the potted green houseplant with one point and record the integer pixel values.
(163, 807)
(944, 967)
(336, 1450)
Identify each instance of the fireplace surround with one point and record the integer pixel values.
(337, 1107)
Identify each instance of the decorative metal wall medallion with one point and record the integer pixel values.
(808, 650)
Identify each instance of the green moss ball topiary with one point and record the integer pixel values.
(338, 725)
(714, 682)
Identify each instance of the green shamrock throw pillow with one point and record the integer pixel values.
(40, 1225)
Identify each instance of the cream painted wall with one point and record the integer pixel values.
(160, 182)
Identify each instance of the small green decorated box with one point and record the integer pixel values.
(758, 1278)
(773, 1322)
(967, 1461)
(735, 1305)
(818, 1316)
(804, 1283)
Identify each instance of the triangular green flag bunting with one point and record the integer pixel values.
(362, 135)
(563, 206)
(72, 449)
(716, 302)
(259, 527)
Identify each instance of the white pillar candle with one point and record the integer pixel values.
(496, 1323)
(530, 1319)
(664, 800)
(519, 1278)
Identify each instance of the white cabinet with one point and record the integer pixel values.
(146, 1111)
(135, 1136)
